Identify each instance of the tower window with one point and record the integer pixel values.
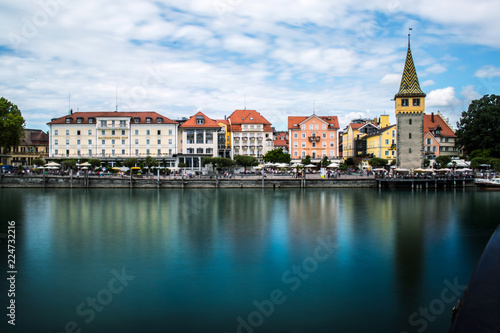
(409, 135)
(416, 102)
(409, 150)
(404, 102)
(409, 121)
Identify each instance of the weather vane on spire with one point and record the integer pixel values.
(409, 29)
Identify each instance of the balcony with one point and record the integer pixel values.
(252, 147)
(236, 138)
(314, 138)
(245, 139)
(244, 147)
(259, 138)
(252, 139)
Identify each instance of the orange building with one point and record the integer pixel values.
(315, 136)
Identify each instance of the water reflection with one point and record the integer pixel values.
(202, 257)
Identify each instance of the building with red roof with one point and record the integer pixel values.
(281, 141)
(251, 133)
(198, 138)
(34, 144)
(313, 135)
(439, 137)
(114, 136)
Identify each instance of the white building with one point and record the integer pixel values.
(114, 136)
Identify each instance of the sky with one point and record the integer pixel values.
(282, 58)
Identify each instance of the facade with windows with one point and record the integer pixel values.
(251, 134)
(224, 138)
(382, 143)
(439, 137)
(281, 140)
(314, 136)
(34, 144)
(113, 136)
(354, 137)
(198, 138)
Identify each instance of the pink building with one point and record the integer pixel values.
(315, 136)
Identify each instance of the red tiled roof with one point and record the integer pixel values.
(280, 143)
(356, 125)
(208, 123)
(331, 120)
(142, 115)
(239, 117)
(223, 121)
(429, 125)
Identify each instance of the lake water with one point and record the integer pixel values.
(295, 260)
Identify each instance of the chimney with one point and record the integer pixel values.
(432, 116)
(224, 117)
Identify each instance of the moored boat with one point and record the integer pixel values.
(493, 183)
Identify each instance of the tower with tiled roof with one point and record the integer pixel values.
(410, 108)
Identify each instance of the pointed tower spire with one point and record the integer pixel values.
(409, 82)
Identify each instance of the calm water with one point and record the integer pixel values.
(242, 260)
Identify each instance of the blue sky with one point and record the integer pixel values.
(176, 57)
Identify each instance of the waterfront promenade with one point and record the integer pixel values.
(238, 181)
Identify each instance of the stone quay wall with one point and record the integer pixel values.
(125, 182)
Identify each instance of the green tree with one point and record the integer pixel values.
(477, 161)
(130, 162)
(38, 162)
(377, 162)
(478, 126)
(442, 161)
(495, 164)
(325, 161)
(150, 163)
(349, 161)
(245, 161)
(480, 153)
(70, 164)
(427, 162)
(95, 162)
(306, 160)
(217, 162)
(277, 156)
(11, 125)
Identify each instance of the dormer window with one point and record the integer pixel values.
(79, 120)
(136, 120)
(91, 120)
(148, 120)
(68, 120)
(200, 120)
(158, 120)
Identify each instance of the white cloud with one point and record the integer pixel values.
(469, 93)
(441, 97)
(487, 72)
(436, 69)
(173, 57)
(391, 79)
